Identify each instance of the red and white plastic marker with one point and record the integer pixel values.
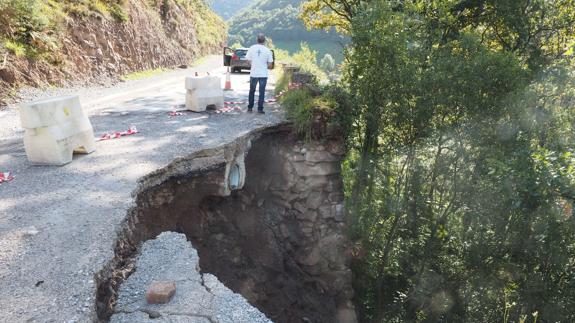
(5, 177)
(226, 109)
(117, 134)
(176, 113)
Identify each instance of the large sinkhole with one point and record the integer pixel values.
(278, 239)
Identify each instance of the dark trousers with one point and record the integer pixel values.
(253, 82)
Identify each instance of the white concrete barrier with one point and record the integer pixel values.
(54, 129)
(203, 91)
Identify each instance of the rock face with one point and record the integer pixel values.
(199, 297)
(280, 241)
(97, 47)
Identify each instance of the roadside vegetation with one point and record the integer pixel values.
(312, 107)
(460, 174)
(33, 28)
(53, 43)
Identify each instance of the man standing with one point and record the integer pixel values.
(261, 59)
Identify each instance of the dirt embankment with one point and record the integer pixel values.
(98, 47)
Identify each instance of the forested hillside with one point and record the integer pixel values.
(44, 43)
(279, 20)
(227, 8)
(460, 174)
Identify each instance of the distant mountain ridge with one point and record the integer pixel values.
(279, 20)
(228, 8)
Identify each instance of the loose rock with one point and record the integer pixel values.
(160, 292)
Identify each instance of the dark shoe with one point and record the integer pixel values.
(261, 112)
(250, 110)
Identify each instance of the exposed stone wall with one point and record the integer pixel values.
(280, 241)
(308, 211)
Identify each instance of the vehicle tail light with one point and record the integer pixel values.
(235, 57)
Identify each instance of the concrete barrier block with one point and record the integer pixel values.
(55, 129)
(203, 82)
(50, 112)
(202, 92)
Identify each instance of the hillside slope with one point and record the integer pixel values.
(228, 8)
(279, 20)
(45, 43)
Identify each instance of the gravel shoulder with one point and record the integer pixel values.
(58, 224)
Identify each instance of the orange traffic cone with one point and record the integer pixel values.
(228, 86)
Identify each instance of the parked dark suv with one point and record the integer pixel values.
(236, 59)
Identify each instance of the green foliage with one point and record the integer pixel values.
(299, 105)
(279, 20)
(22, 23)
(327, 14)
(305, 58)
(282, 80)
(236, 45)
(311, 114)
(31, 27)
(327, 63)
(119, 12)
(15, 48)
(461, 177)
(209, 27)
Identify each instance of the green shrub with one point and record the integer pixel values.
(30, 27)
(119, 12)
(282, 79)
(305, 59)
(100, 7)
(311, 114)
(15, 48)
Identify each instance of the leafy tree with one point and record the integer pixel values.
(461, 175)
(327, 14)
(327, 63)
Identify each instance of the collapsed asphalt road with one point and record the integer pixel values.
(58, 224)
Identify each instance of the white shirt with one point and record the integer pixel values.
(260, 56)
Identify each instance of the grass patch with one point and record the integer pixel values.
(310, 113)
(282, 80)
(143, 74)
(119, 13)
(15, 48)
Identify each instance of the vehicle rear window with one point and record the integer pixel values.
(241, 53)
